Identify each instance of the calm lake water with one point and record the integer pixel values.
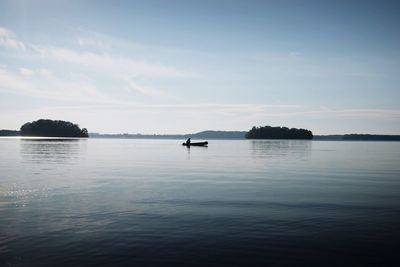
(122, 202)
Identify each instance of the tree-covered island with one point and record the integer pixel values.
(52, 128)
(268, 132)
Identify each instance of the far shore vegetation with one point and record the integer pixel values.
(9, 133)
(268, 132)
(59, 128)
(53, 128)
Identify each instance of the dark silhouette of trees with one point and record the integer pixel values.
(371, 137)
(9, 133)
(268, 132)
(50, 128)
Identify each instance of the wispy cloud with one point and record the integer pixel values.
(144, 90)
(8, 40)
(116, 67)
(14, 82)
(107, 62)
(25, 71)
(344, 113)
(92, 42)
(42, 83)
(233, 109)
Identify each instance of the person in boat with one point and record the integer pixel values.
(188, 141)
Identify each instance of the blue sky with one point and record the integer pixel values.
(186, 66)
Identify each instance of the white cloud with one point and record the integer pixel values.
(44, 72)
(139, 88)
(227, 109)
(26, 72)
(13, 82)
(5, 32)
(94, 42)
(7, 40)
(105, 62)
(111, 65)
(108, 62)
(41, 84)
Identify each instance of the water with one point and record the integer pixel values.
(120, 202)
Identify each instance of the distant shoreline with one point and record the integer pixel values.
(230, 135)
(381, 138)
(240, 135)
(357, 137)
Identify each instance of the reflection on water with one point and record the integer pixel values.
(197, 148)
(236, 203)
(43, 165)
(51, 150)
(280, 148)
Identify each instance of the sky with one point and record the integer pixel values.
(170, 67)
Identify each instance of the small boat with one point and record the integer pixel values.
(195, 144)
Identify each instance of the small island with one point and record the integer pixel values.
(53, 128)
(268, 132)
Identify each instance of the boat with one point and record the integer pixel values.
(195, 144)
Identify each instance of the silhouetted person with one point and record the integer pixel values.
(188, 141)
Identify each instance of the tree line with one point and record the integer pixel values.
(53, 128)
(268, 132)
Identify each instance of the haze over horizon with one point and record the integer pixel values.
(177, 67)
